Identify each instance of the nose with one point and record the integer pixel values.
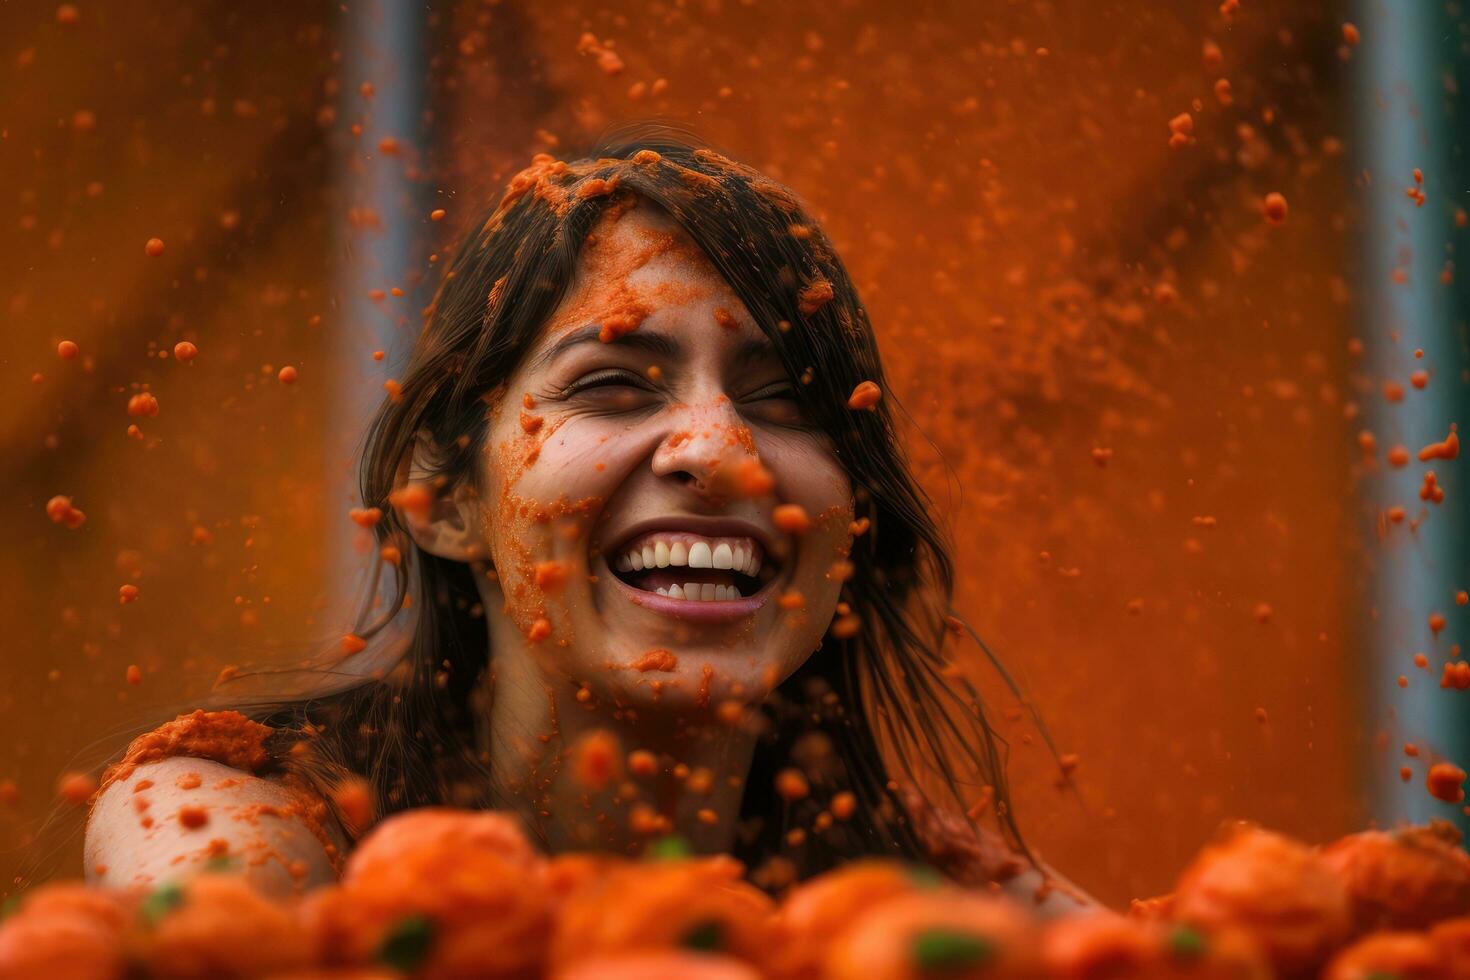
(705, 448)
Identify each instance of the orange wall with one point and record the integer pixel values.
(999, 184)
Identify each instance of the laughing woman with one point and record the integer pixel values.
(651, 563)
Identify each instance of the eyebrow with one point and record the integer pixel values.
(651, 341)
(755, 349)
(646, 340)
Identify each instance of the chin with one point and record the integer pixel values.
(694, 680)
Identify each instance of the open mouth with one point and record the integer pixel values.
(693, 567)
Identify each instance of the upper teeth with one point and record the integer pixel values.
(687, 550)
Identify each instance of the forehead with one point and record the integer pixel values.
(640, 241)
(638, 263)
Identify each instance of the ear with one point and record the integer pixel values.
(443, 521)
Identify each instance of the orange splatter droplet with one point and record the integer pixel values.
(185, 351)
(287, 375)
(135, 674)
(865, 395)
(127, 593)
(1430, 490)
(551, 576)
(60, 510)
(68, 350)
(792, 785)
(844, 805)
(193, 817)
(596, 760)
(76, 788)
(1448, 448)
(1456, 676)
(143, 405)
(539, 630)
(813, 296)
(791, 518)
(354, 801)
(352, 643)
(414, 500)
(642, 763)
(1446, 782)
(1274, 208)
(750, 478)
(437, 214)
(1180, 129)
(153, 248)
(791, 600)
(365, 516)
(1436, 623)
(659, 660)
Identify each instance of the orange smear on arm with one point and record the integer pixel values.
(226, 737)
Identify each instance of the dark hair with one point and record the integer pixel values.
(882, 690)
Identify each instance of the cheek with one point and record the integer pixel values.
(547, 483)
(812, 478)
(808, 474)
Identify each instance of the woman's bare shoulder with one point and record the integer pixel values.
(204, 790)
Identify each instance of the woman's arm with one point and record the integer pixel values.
(977, 856)
(1048, 894)
(177, 816)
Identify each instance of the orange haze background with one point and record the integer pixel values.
(1140, 394)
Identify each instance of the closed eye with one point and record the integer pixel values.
(608, 377)
(779, 389)
(610, 389)
(775, 403)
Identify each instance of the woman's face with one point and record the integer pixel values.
(633, 464)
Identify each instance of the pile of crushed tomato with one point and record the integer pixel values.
(440, 893)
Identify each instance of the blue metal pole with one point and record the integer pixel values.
(385, 44)
(1408, 119)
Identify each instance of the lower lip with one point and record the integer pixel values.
(695, 610)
